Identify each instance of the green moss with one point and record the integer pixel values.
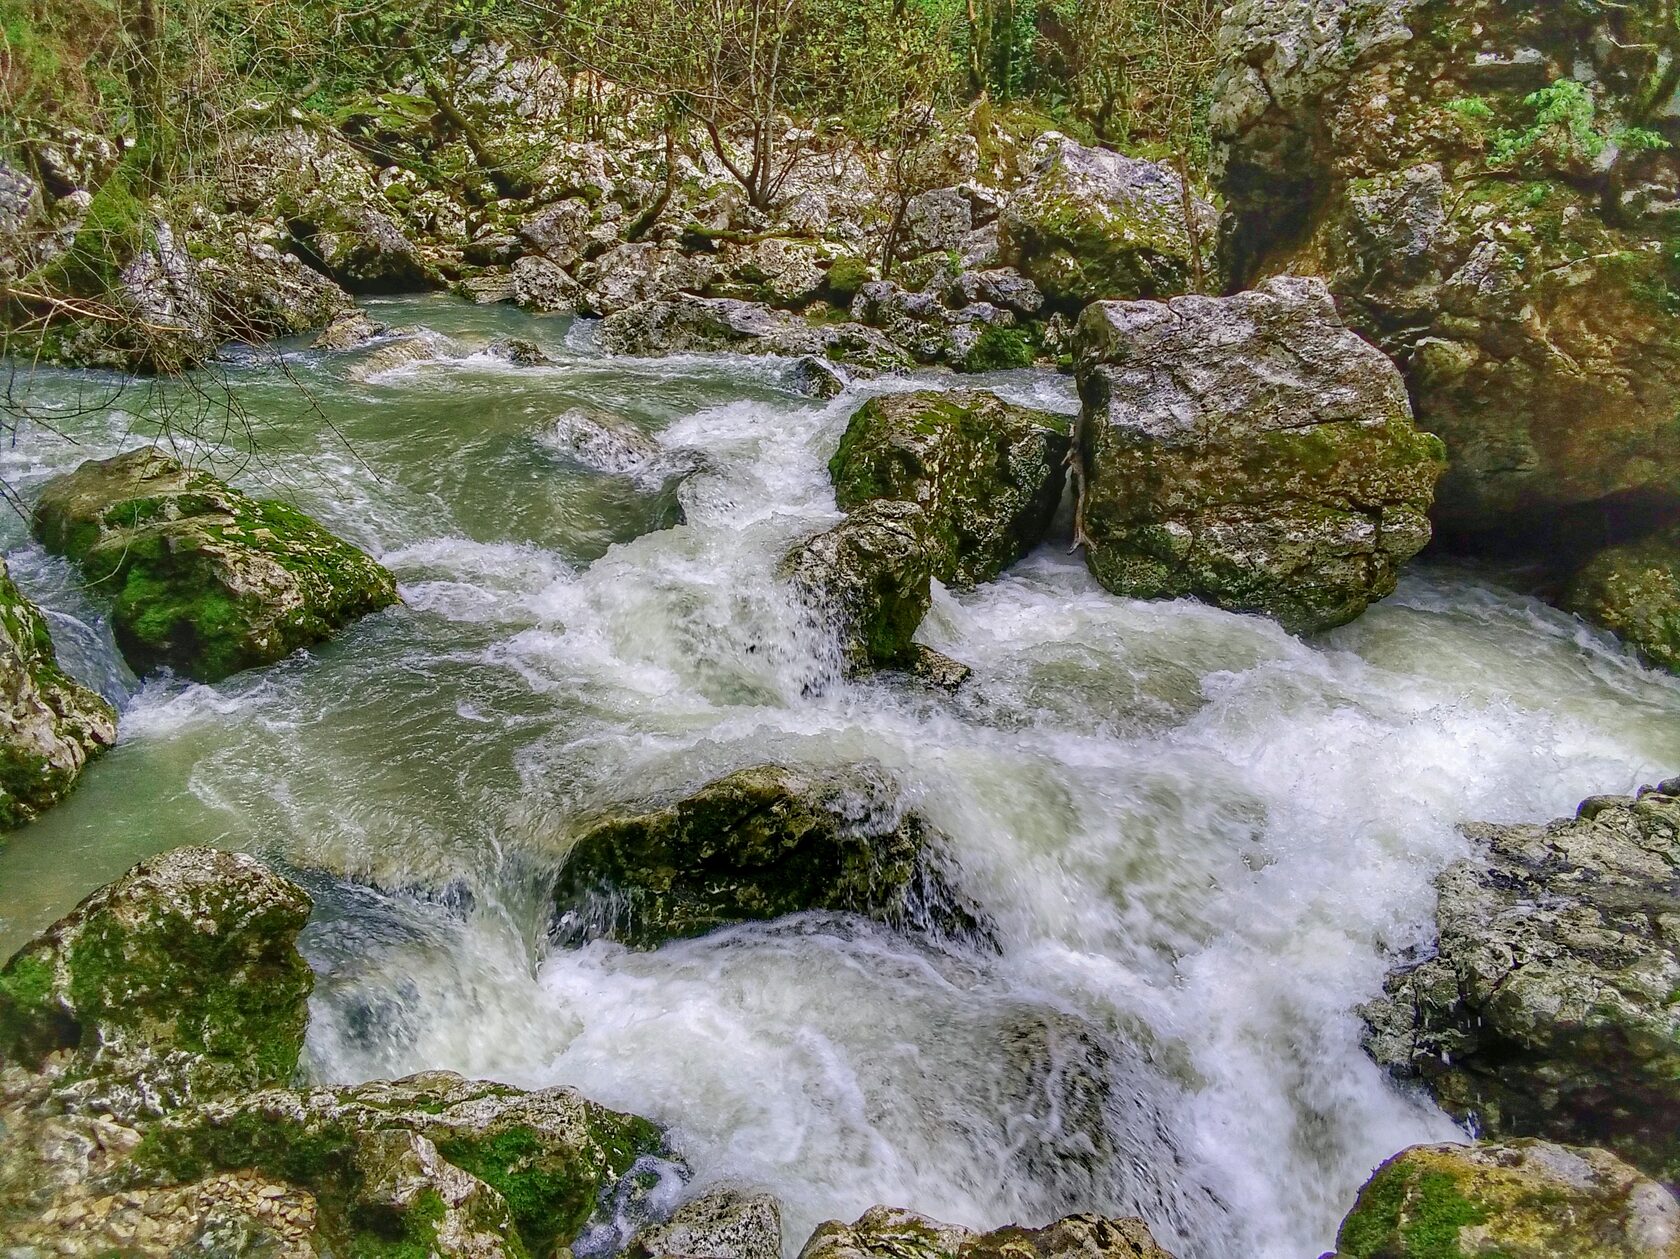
(416, 1234)
(1000, 349)
(847, 275)
(1408, 1214)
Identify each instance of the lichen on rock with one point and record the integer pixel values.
(50, 725)
(892, 1233)
(1549, 1006)
(1249, 451)
(987, 474)
(180, 979)
(1518, 1200)
(205, 580)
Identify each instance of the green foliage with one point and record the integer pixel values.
(1564, 127)
(1000, 349)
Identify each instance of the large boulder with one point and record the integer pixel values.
(182, 978)
(892, 1233)
(1090, 224)
(987, 474)
(689, 325)
(386, 1159)
(50, 725)
(1548, 1008)
(870, 579)
(756, 844)
(1249, 451)
(206, 580)
(1522, 1200)
(1634, 591)
(1487, 189)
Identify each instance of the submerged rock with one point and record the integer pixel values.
(869, 578)
(207, 580)
(1549, 1007)
(987, 474)
(608, 443)
(180, 979)
(1251, 452)
(1522, 1200)
(1091, 224)
(1488, 190)
(760, 843)
(686, 325)
(348, 331)
(891, 1233)
(1634, 591)
(520, 351)
(721, 1224)
(422, 1159)
(50, 725)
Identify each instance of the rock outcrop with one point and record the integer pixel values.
(206, 580)
(891, 1233)
(1521, 1200)
(1488, 190)
(1249, 451)
(1634, 591)
(870, 579)
(760, 843)
(1549, 1006)
(50, 725)
(180, 979)
(1090, 224)
(988, 475)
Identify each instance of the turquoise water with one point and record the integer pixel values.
(1200, 839)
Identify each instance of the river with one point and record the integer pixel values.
(1201, 840)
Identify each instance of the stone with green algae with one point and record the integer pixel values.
(987, 474)
(756, 844)
(51, 726)
(204, 579)
(180, 979)
(1520, 1200)
(1634, 591)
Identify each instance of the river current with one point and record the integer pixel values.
(1201, 840)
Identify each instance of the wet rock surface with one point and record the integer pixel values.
(1548, 1008)
(891, 1233)
(721, 1224)
(1249, 451)
(206, 580)
(988, 475)
(757, 844)
(1521, 1199)
(1634, 591)
(51, 726)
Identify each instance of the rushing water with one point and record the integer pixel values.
(1199, 838)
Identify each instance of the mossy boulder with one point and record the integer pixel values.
(1089, 224)
(205, 580)
(50, 725)
(403, 1162)
(757, 844)
(1521, 1200)
(1634, 591)
(1488, 189)
(892, 1233)
(1549, 1007)
(870, 580)
(182, 979)
(1248, 451)
(987, 474)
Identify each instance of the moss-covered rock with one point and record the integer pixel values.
(1486, 188)
(393, 1162)
(1090, 224)
(987, 474)
(182, 977)
(50, 725)
(205, 579)
(760, 843)
(870, 580)
(1549, 1007)
(1248, 451)
(1522, 1200)
(892, 1233)
(1634, 591)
